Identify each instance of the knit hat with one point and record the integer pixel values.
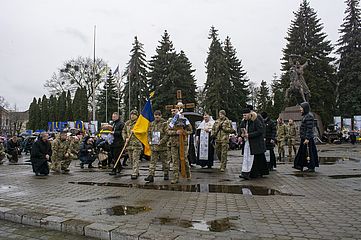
(135, 112)
(222, 112)
(246, 110)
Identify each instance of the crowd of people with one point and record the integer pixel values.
(257, 136)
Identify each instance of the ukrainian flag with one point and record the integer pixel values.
(140, 129)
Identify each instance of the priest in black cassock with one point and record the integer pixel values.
(205, 150)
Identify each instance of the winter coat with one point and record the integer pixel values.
(307, 122)
(225, 128)
(255, 134)
(87, 151)
(39, 150)
(271, 131)
(118, 138)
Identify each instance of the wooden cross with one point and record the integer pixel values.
(180, 104)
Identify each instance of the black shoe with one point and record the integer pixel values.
(133, 177)
(37, 174)
(90, 166)
(113, 172)
(150, 178)
(166, 177)
(310, 170)
(81, 165)
(245, 175)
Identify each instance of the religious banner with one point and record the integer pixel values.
(337, 122)
(357, 123)
(203, 145)
(155, 138)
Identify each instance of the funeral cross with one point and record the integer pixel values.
(180, 106)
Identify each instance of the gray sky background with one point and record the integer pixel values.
(37, 36)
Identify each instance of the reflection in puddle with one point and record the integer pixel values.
(96, 199)
(122, 210)
(211, 188)
(303, 174)
(218, 225)
(345, 176)
(335, 160)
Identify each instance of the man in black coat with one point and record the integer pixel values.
(270, 139)
(118, 142)
(40, 155)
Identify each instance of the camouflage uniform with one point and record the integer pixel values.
(222, 139)
(2, 152)
(59, 159)
(281, 139)
(291, 139)
(134, 147)
(181, 123)
(74, 149)
(161, 150)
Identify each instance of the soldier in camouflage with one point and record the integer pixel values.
(178, 125)
(74, 148)
(2, 150)
(281, 138)
(61, 154)
(134, 147)
(158, 139)
(220, 132)
(291, 138)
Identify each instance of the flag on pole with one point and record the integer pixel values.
(140, 128)
(116, 70)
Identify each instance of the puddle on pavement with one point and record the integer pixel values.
(121, 210)
(335, 160)
(218, 225)
(345, 176)
(96, 199)
(303, 174)
(209, 188)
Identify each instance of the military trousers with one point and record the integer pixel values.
(175, 155)
(291, 146)
(163, 156)
(134, 156)
(222, 151)
(60, 164)
(281, 148)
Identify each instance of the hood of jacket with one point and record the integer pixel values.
(306, 108)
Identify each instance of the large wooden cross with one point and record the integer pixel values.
(183, 135)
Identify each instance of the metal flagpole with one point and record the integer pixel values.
(106, 101)
(119, 76)
(129, 92)
(94, 77)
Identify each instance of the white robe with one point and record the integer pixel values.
(247, 156)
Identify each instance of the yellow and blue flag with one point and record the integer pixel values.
(140, 128)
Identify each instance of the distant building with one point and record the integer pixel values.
(4, 121)
(18, 121)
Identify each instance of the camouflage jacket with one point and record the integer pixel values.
(2, 148)
(134, 143)
(59, 149)
(161, 127)
(74, 148)
(281, 132)
(181, 123)
(291, 131)
(225, 128)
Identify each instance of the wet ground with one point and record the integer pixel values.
(287, 204)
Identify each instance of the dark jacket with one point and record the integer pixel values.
(307, 122)
(12, 146)
(39, 150)
(87, 152)
(255, 134)
(271, 131)
(117, 128)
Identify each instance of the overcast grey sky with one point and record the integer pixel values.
(37, 36)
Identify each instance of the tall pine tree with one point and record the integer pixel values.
(307, 40)
(69, 107)
(161, 70)
(277, 97)
(53, 108)
(33, 117)
(263, 98)
(44, 115)
(107, 99)
(62, 106)
(218, 86)
(349, 72)
(136, 85)
(239, 83)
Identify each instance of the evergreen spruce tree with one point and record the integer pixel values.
(83, 105)
(239, 83)
(349, 50)
(161, 70)
(76, 105)
(136, 73)
(263, 98)
(307, 40)
(53, 110)
(32, 115)
(69, 107)
(218, 87)
(107, 99)
(44, 112)
(62, 107)
(277, 97)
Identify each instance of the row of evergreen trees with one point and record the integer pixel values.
(334, 83)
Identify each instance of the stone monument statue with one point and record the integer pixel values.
(297, 81)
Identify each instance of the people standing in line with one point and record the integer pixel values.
(40, 155)
(61, 154)
(220, 132)
(158, 139)
(281, 139)
(270, 140)
(252, 131)
(134, 146)
(87, 153)
(291, 138)
(13, 149)
(118, 141)
(179, 125)
(205, 149)
(307, 155)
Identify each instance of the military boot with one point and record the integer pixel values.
(150, 178)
